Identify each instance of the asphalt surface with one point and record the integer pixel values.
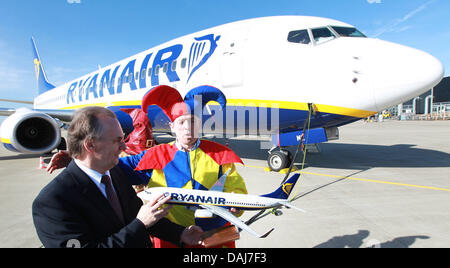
(380, 185)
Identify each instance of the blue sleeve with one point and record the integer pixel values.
(129, 163)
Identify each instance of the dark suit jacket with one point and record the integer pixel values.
(72, 207)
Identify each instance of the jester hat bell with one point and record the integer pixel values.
(174, 106)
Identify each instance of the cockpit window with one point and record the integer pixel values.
(322, 35)
(347, 31)
(300, 37)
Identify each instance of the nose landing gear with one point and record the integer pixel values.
(279, 159)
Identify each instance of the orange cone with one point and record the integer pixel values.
(42, 163)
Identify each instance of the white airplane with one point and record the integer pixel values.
(219, 203)
(271, 70)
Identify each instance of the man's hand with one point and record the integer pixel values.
(192, 236)
(236, 212)
(152, 212)
(59, 160)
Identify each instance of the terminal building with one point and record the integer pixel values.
(433, 102)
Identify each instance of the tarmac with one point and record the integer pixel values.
(380, 185)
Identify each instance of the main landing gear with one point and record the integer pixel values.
(279, 159)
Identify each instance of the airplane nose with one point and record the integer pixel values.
(401, 73)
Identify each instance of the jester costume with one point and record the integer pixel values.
(169, 165)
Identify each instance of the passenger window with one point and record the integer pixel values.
(174, 65)
(165, 67)
(322, 35)
(300, 37)
(183, 63)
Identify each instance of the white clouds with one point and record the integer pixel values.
(374, 1)
(397, 25)
(74, 1)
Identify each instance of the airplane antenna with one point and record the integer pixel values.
(306, 126)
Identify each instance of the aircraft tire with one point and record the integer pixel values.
(278, 160)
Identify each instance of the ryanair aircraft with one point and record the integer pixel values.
(273, 71)
(218, 203)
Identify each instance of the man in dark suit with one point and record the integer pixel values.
(81, 207)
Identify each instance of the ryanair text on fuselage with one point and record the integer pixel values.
(199, 199)
(166, 58)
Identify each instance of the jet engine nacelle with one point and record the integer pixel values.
(203, 213)
(27, 131)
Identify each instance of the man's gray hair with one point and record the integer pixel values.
(85, 124)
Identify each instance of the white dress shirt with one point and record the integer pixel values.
(95, 176)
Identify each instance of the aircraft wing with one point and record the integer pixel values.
(10, 111)
(227, 215)
(63, 115)
(7, 111)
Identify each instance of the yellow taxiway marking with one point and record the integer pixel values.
(360, 179)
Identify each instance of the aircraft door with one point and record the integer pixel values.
(232, 60)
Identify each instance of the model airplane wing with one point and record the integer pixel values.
(289, 205)
(221, 212)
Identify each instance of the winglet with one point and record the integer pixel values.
(267, 234)
(251, 231)
(43, 84)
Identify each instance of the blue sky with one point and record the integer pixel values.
(75, 36)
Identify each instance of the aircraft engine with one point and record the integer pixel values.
(203, 213)
(28, 131)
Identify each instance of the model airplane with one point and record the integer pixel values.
(269, 69)
(219, 203)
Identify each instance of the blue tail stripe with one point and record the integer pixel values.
(43, 84)
(284, 190)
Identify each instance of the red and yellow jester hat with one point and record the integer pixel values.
(173, 105)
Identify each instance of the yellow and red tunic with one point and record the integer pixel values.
(166, 165)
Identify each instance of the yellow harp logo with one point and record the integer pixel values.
(287, 187)
(36, 68)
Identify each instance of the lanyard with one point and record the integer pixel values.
(191, 170)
